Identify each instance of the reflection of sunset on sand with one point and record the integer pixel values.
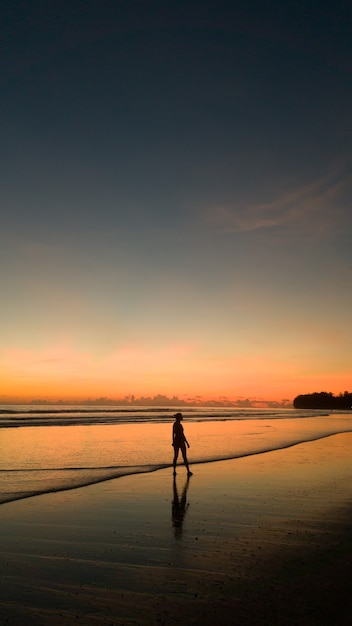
(262, 532)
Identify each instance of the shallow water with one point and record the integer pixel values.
(42, 458)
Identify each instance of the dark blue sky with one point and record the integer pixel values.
(190, 99)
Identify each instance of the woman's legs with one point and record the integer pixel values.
(184, 454)
(176, 451)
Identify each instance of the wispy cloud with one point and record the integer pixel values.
(314, 207)
(65, 359)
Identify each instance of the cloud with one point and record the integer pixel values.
(49, 361)
(312, 208)
(66, 360)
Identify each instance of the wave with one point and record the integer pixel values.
(78, 410)
(26, 416)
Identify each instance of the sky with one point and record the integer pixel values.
(175, 199)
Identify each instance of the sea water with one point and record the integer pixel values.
(53, 448)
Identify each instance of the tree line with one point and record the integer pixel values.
(323, 400)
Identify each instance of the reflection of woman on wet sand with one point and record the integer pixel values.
(179, 442)
(179, 508)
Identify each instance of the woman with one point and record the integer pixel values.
(179, 442)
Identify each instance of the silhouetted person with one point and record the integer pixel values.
(179, 442)
(179, 508)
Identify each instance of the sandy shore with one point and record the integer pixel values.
(262, 540)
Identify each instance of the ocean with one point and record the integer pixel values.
(58, 447)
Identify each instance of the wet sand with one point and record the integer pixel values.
(265, 539)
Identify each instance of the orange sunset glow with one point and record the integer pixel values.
(65, 374)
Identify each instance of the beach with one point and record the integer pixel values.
(264, 539)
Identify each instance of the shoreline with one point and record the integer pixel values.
(256, 540)
(39, 460)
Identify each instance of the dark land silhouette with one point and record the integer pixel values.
(324, 400)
